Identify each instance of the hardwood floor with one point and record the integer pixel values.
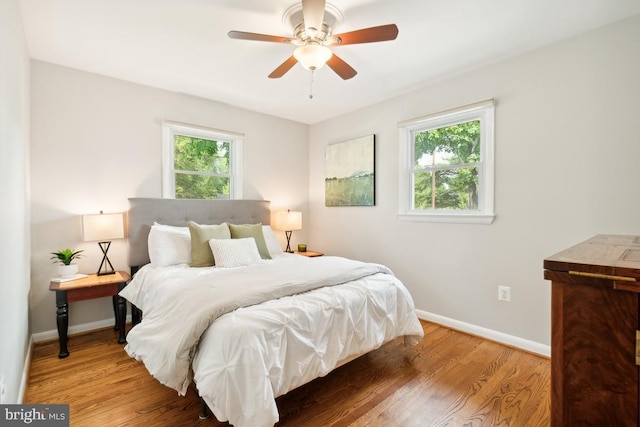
(448, 379)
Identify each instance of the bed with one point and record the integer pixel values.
(260, 322)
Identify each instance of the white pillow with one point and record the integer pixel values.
(235, 252)
(177, 229)
(273, 244)
(169, 245)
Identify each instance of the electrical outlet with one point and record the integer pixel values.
(504, 293)
(3, 392)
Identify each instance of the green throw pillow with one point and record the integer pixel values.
(201, 255)
(251, 230)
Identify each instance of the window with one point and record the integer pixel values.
(447, 166)
(200, 163)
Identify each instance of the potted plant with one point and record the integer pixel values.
(65, 257)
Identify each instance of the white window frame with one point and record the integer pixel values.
(482, 111)
(171, 128)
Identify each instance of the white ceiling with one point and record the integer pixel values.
(182, 45)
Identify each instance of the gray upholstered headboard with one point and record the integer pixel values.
(143, 212)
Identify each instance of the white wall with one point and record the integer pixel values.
(566, 162)
(567, 168)
(96, 141)
(14, 210)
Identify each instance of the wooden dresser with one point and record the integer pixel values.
(594, 332)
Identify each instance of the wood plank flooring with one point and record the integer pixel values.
(448, 379)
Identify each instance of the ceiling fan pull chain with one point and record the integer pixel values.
(311, 86)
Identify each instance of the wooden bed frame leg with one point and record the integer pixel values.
(204, 412)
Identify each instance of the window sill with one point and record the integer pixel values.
(458, 218)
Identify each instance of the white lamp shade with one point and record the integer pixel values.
(289, 221)
(312, 56)
(102, 227)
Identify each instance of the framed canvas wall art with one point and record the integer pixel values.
(350, 173)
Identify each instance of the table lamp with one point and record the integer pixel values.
(289, 221)
(103, 228)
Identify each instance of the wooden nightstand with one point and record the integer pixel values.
(310, 254)
(92, 286)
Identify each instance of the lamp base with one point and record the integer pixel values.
(288, 234)
(105, 273)
(102, 270)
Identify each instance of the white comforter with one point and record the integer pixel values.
(249, 356)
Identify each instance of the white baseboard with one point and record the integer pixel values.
(510, 340)
(85, 327)
(25, 372)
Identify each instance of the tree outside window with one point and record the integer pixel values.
(200, 163)
(446, 167)
(201, 168)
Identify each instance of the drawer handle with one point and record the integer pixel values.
(602, 276)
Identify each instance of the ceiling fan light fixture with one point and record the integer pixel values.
(312, 23)
(312, 56)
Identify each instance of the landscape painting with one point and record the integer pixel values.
(349, 173)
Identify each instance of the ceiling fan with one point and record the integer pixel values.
(312, 35)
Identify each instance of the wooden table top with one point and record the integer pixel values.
(308, 253)
(91, 280)
(617, 255)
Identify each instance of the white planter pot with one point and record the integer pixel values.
(67, 271)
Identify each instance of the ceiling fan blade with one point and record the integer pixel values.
(341, 68)
(366, 35)
(283, 68)
(313, 13)
(242, 35)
